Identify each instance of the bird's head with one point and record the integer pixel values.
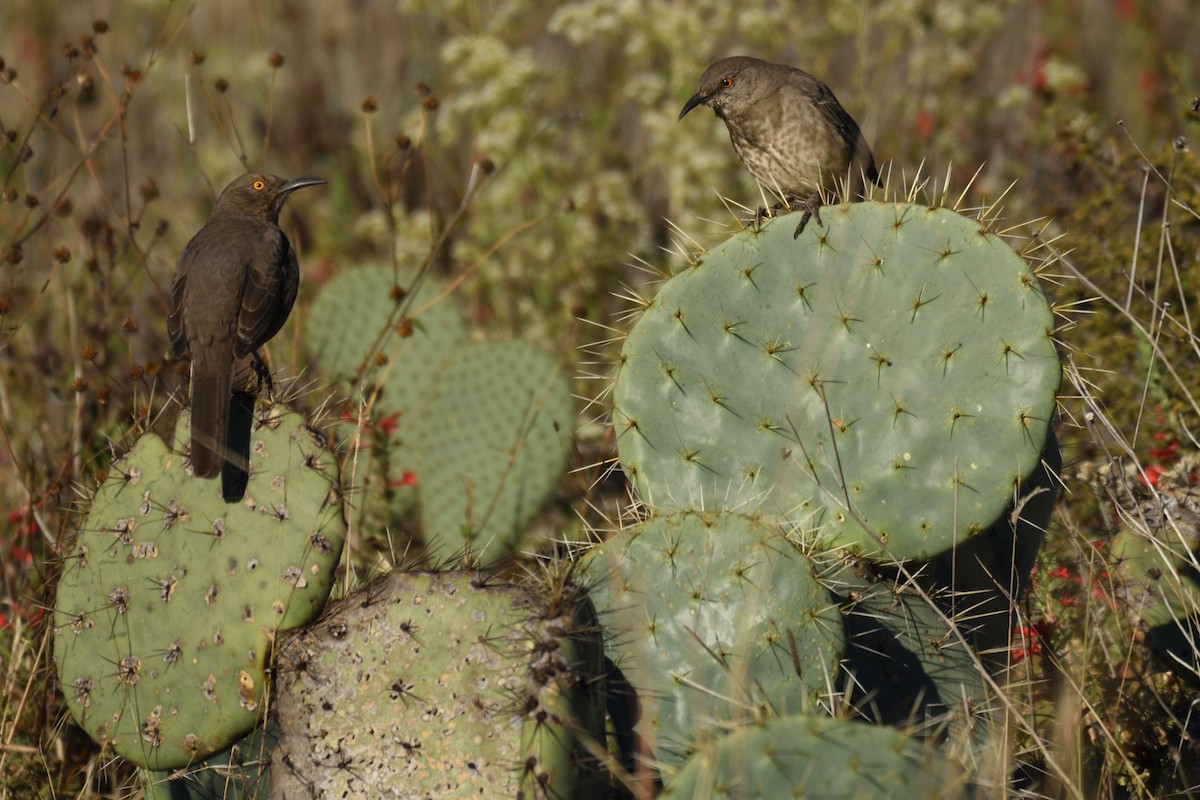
(727, 85)
(259, 195)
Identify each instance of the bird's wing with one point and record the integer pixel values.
(175, 328)
(270, 287)
(847, 128)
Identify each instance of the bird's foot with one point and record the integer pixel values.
(263, 373)
(763, 214)
(759, 216)
(812, 210)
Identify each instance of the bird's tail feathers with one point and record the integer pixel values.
(210, 419)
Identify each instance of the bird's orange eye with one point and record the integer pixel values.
(259, 185)
(727, 81)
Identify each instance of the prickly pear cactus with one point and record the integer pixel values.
(821, 759)
(446, 684)
(889, 377)
(353, 313)
(171, 599)
(493, 442)
(711, 618)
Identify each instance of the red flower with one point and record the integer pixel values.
(390, 424)
(407, 479)
(1150, 475)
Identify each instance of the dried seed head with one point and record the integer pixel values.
(100, 26)
(62, 254)
(403, 142)
(196, 57)
(221, 85)
(129, 325)
(275, 59)
(369, 105)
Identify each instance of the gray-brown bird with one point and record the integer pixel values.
(234, 287)
(789, 131)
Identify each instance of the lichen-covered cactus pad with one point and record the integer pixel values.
(889, 377)
(169, 603)
(452, 684)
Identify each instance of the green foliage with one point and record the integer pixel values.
(496, 428)
(171, 599)
(463, 685)
(819, 759)
(711, 619)
(889, 379)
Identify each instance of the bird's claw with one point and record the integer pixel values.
(812, 210)
(263, 373)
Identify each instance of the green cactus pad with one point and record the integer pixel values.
(442, 685)
(712, 618)
(170, 601)
(493, 443)
(1157, 576)
(348, 317)
(895, 365)
(819, 758)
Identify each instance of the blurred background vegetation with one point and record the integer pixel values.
(553, 127)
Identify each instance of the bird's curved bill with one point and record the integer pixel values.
(696, 99)
(300, 183)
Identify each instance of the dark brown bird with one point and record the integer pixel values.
(789, 131)
(234, 287)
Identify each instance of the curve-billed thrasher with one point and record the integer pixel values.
(234, 288)
(788, 129)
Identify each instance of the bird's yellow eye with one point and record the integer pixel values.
(727, 81)
(259, 185)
